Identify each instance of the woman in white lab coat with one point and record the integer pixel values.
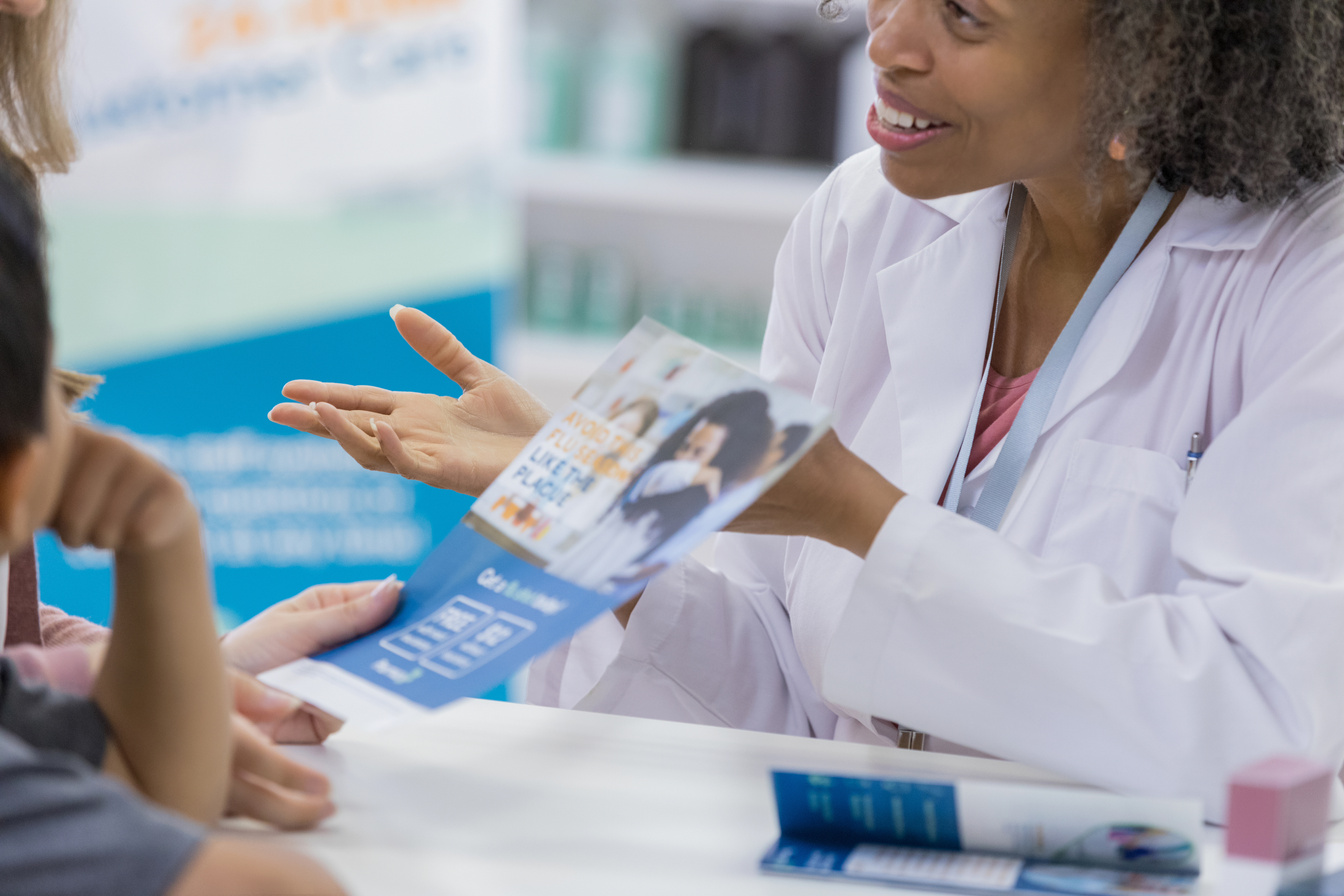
(1127, 624)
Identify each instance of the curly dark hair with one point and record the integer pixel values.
(1239, 98)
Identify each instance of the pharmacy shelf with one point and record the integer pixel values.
(701, 188)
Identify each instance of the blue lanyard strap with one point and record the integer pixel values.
(1017, 201)
(1026, 429)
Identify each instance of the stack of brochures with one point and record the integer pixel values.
(985, 836)
(666, 443)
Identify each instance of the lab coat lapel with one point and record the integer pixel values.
(1114, 333)
(1200, 223)
(936, 309)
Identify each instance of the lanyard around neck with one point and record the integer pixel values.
(1026, 429)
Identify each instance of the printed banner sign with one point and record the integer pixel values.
(258, 182)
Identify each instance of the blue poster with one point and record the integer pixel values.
(282, 510)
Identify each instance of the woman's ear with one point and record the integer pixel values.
(18, 477)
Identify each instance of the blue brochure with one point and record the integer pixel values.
(984, 836)
(666, 443)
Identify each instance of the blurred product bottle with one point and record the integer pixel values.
(771, 97)
(799, 84)
(607, 305)
(721, 99)
(553, 67)
(553, 286)
(627, 81)
(785, 101)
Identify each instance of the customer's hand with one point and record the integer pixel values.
(267, 785)
(316, 619)
(118, 498)
(460, 444)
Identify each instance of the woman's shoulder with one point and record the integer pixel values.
(1304, 223)
(1275, 269)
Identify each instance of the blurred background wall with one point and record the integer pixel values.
(261, 179)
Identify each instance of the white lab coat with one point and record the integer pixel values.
(1120, 630)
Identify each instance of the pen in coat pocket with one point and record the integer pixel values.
(1192, 457)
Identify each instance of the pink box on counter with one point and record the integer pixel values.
(1277, 814)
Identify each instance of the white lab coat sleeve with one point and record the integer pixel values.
(564, 674)
(704, 647)
(1161, 693)
(802, 302)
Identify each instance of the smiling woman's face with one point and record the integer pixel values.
(975, 93)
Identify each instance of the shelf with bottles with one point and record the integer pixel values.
(751, 80)
(603, 290)
(670, 145)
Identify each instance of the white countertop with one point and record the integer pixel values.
(497, 798)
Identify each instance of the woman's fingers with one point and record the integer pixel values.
(348, 398)
(303, 634)
(318, 618)
(269, 786)
(300, 417)
(433, 342)
(93, 475)
(130, 490)
(308, 726)
(358, 443)
(254, 753)
(263, 706)
(317, 597)
(289, 810)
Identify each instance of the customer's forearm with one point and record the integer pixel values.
(162, 683)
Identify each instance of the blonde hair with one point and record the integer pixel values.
(35, 129)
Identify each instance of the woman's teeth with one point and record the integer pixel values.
(897, 119)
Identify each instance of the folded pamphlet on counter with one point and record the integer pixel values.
(666, 443)
(985, 836)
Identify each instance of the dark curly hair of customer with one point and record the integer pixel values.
(1239, 98)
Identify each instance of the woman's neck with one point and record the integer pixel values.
(1072, 223)
(1068, 228)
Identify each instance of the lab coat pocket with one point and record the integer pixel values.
(1116, 510)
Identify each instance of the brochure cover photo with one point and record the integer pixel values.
(665, 444)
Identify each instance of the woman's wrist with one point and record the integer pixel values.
(859, 502)
(832, 495)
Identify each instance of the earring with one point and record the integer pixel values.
(1117, 149)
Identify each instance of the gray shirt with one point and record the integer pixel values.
(64, 827)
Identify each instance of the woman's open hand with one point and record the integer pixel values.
(460, 444)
